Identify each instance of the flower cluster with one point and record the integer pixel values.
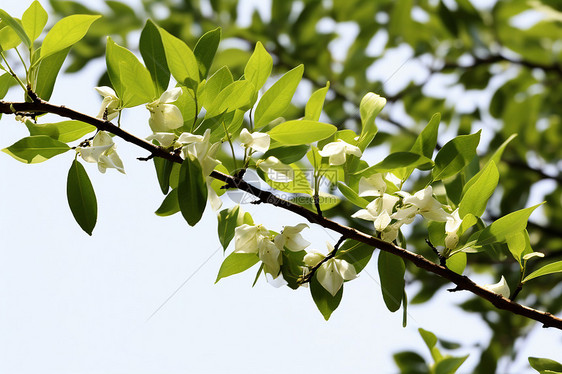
(101, 150)
(269, 247)
(389, 212)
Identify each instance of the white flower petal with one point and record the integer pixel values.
(245, 239)
(329, 277)
(346, 270)
(165, 139)
(501, 288)
(364, 214)
(374, 185)
(170, 95)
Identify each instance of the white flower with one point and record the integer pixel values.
(102, 151)
(378, 211)
(501, 288)
(291, 238)
(258, 141)
(333, 272)
(338, 150)
(451, 227)
(165, 139)
(199, 147)
(109, 104)
(165, 116)
(427, 205)
(256, 239)
(373, 185)
(276, 170)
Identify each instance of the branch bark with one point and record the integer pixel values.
(462, 282)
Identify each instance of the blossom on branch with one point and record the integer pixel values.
(337, 151)
(291, 238)
(165, 116)
(258, 141)
(257, 239)
(501, 288)
(426, 204)
(200, 147)
(331, 273)
(110, 103)
(101, 150)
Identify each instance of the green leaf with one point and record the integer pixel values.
(131, 80)
(181, 60)
(297, 132)
(236, 263)
(137, 84)
(163, 171)
(277, 98)
(6, 81)
(66, 33)
(35, 149)
(314, 106)
(154, 57)
(170, 205)
(356, 253)
(541, 364)
(287, 155)
(519, 244)
(237, 95)
(555, 267)
(16, 26)
(259, 67)
(449, 365)
(476, 197)
(352, 196)
(325, 302)
(229, 219)
(391, 273)
(8, 38)
(205, 51)
(455, 155)
(65, 131)
(410, 362)
(81, 197)
(215, 84)
(192, 191)
(396, 160)
(457, 262)
(428, 337)
(427, 140)
(34, 20)
(47, 72)
(370, 106)
(505, 226)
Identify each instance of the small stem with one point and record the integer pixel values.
(12, 73)
(442, 259)
(24, 66)
(231, 146)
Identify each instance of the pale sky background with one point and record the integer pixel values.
(71, 303)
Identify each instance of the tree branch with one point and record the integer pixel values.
(462, 282)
